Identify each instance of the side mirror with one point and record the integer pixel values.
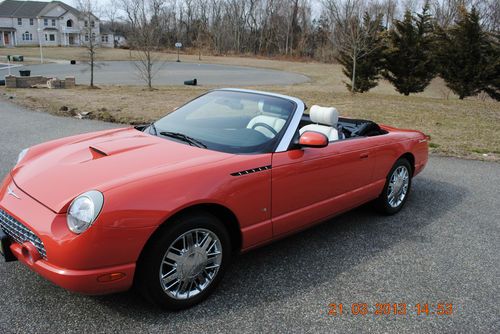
(313, 139)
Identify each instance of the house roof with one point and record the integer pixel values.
(12, 8)
(15, 8)
(54, 4)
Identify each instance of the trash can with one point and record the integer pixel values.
(72, 62)
(193, 82)
(25, 73)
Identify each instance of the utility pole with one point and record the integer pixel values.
(40, 40)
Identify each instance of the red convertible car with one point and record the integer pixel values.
(164, 207)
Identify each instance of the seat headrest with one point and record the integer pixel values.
(265, 107)
(324, 115)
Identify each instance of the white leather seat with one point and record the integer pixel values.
(326, 119)
(274, 122)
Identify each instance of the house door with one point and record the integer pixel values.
(6, 38)
(71, 40)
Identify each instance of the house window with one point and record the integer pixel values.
(86, 37)
(86, 24)
(19, 21)
(27, 36)
(53, 22)
(69, 23)
(31, 22)
(46, 38)
(52, 37)
(45, 22)
(92, 24)
(104, 38)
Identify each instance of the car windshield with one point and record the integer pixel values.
(229, 121)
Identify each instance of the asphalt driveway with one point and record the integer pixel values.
(442, 248)
(167, 73)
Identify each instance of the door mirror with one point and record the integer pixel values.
(313, 139)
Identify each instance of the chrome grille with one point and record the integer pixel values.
(20, 233)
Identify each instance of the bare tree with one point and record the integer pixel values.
(111, 12)
(350, 35)
(489, 11)
(446, 11)
(89, 9)
(145, 18)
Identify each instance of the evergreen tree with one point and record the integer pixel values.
(409, 64)
(369, 65)
(491, 81)
(468, 58)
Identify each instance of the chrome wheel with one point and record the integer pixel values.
(398, 186)
(191, 263)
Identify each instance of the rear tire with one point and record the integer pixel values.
(396, 189)
(184, 261)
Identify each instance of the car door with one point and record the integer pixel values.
(311, 184)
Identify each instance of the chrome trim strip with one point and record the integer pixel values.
(294, 123)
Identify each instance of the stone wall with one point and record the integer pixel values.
(28, 82)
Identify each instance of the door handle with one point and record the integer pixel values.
(363, 156)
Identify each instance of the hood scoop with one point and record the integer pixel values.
(113, 147)
(97, 153)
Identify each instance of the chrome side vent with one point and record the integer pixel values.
(251, 171)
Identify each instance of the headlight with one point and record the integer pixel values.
(21, 155)
(83, 211)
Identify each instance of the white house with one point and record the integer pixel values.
(26, 23)
(110, 39)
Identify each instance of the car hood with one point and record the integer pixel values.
(100, 161)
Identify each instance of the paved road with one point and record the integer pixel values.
(170, 73)
(443, 247)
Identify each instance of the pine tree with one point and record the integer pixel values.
(410, 65)
(369, 65)
(468, 57)
(491, 81)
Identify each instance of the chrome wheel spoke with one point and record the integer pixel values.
(174, 257)
(170, 276)
(173, 284)
(189, 241)
(205, 243)
(212, 266)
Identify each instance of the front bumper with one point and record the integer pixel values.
(100, 261)
(82, 281)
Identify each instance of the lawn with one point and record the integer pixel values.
(464, 128)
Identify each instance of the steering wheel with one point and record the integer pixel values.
(267, 126)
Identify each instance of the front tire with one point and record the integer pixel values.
(184, 262)
(396, 189)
